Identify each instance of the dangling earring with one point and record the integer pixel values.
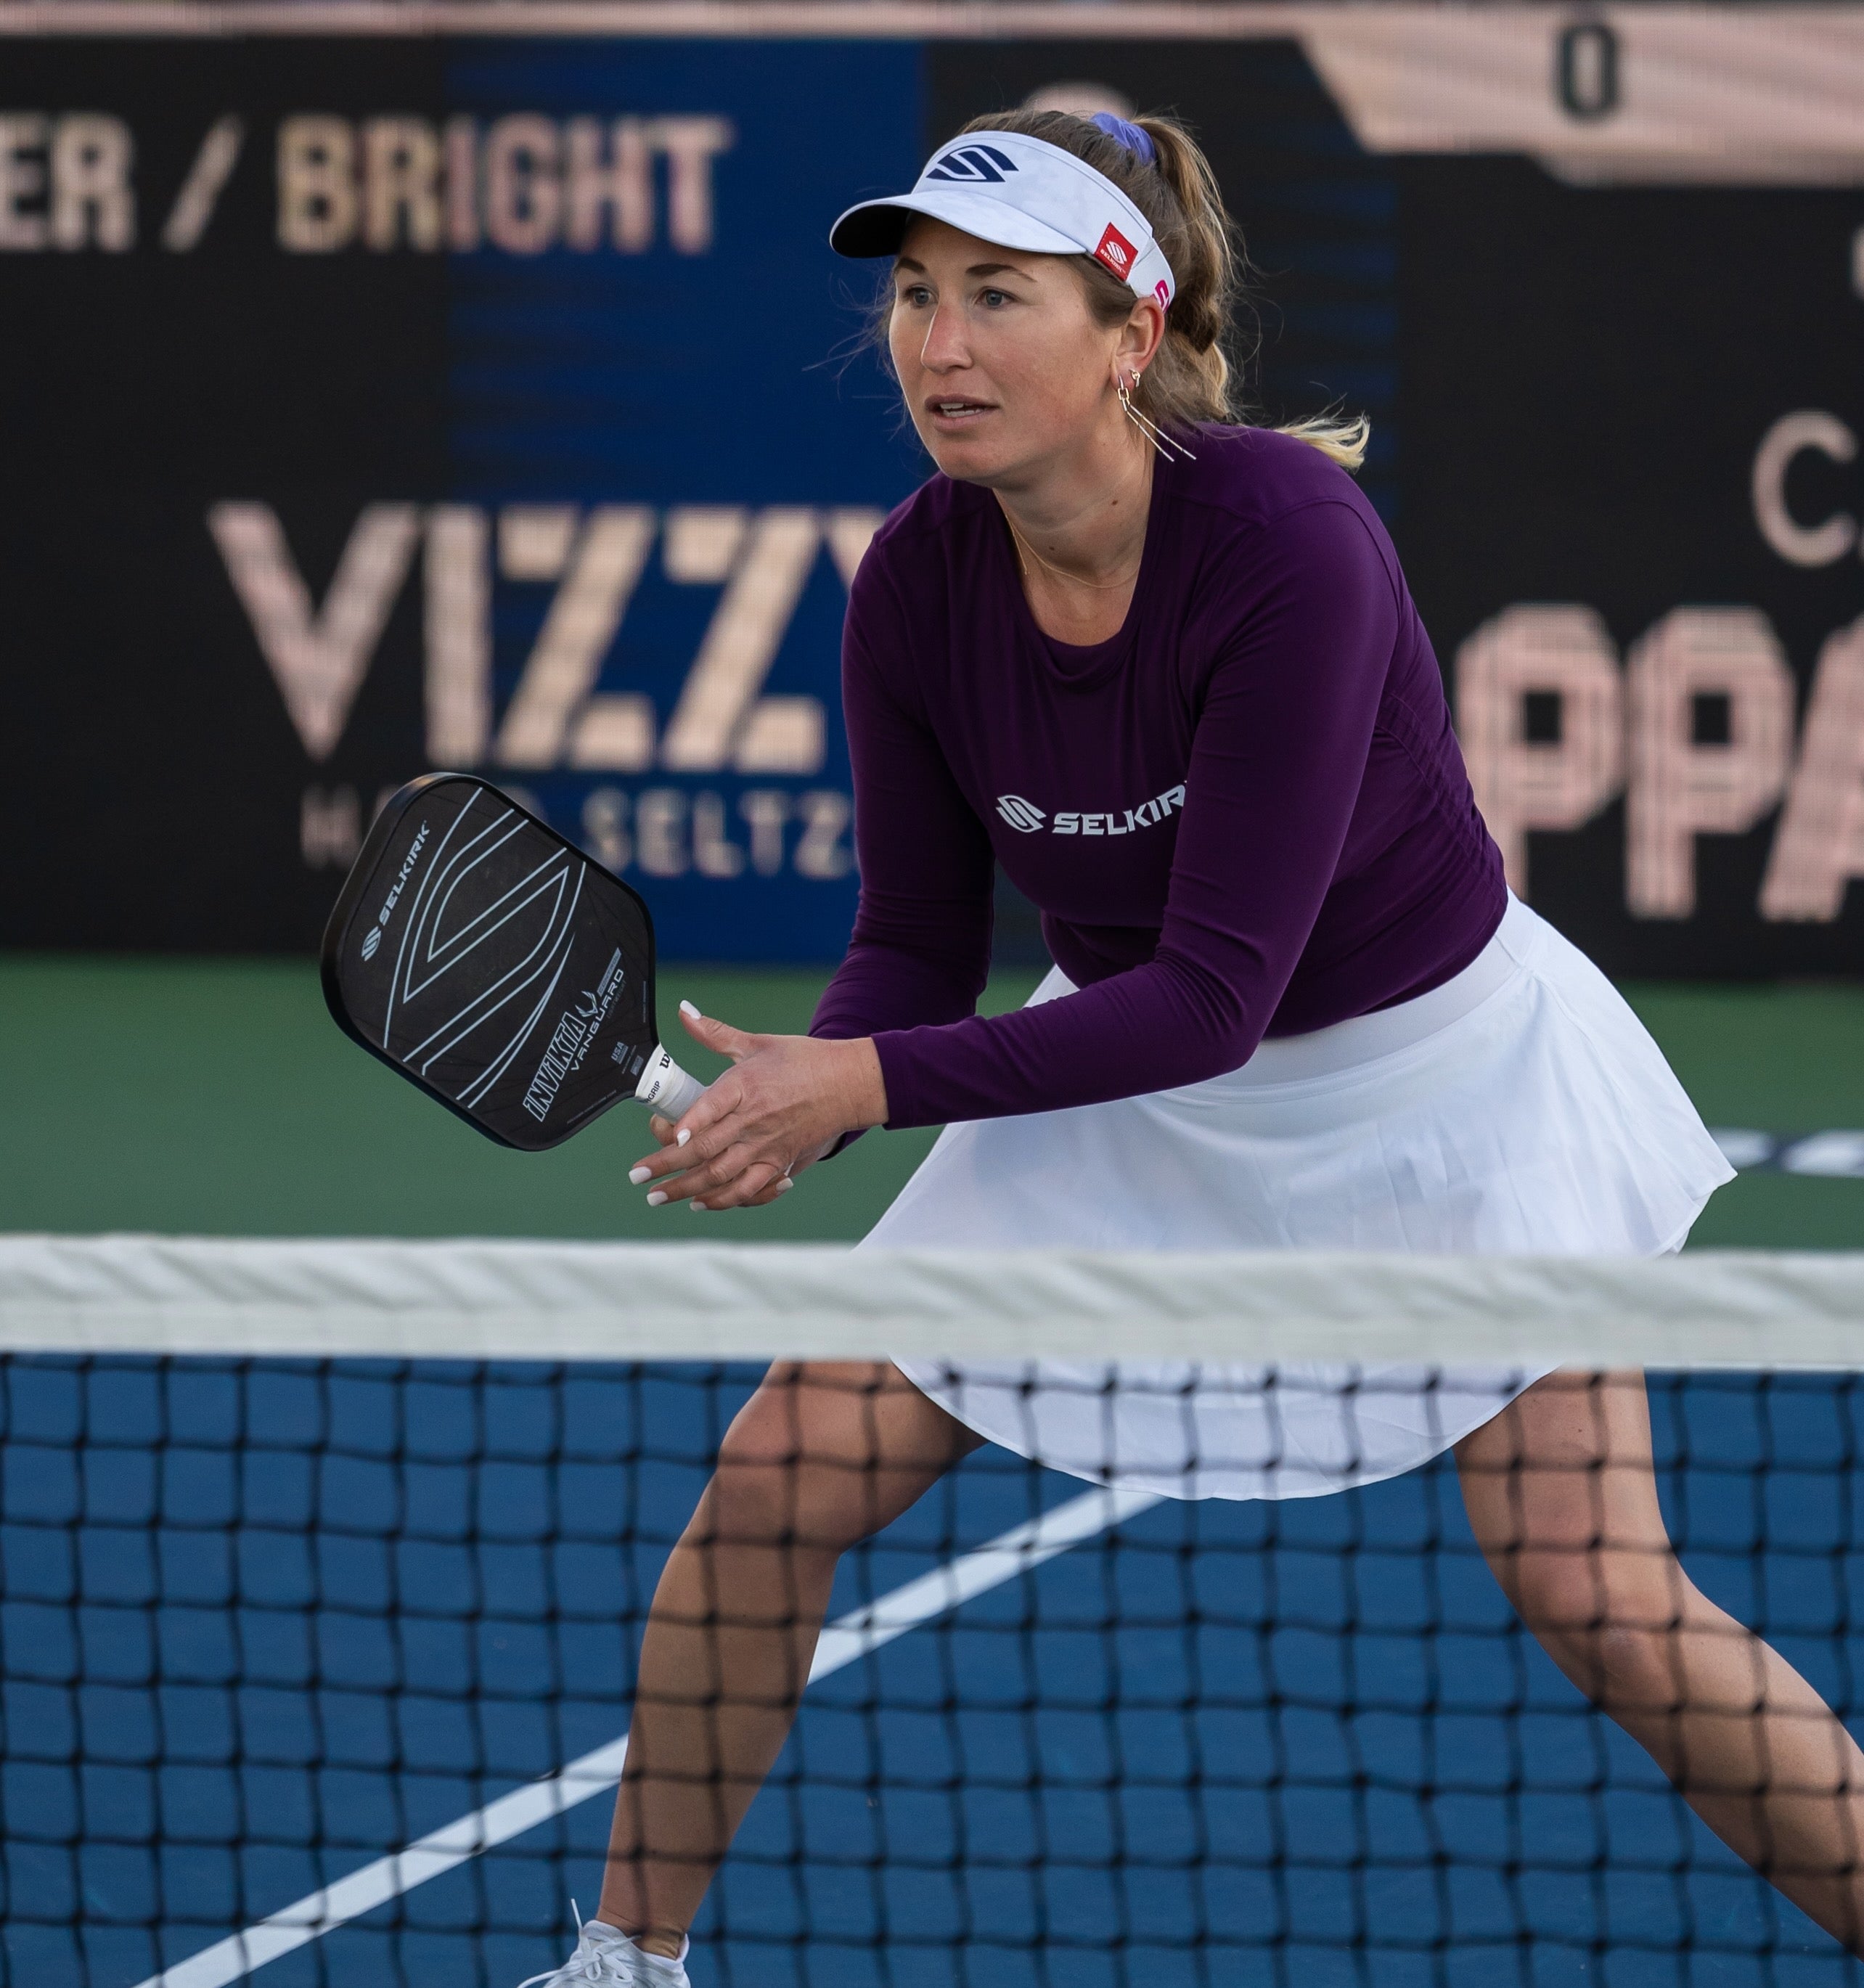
(1168, 446)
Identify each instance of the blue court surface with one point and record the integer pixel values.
(263, 1623)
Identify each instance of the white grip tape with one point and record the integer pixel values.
(665, 1088)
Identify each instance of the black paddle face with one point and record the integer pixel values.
(491, 963)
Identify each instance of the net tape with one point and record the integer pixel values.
(571, 1301)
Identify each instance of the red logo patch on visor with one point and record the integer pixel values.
(1117, 252)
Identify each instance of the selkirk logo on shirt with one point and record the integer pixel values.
(1020, 814)
(1025, 815)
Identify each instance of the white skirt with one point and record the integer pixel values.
(1520, 1108)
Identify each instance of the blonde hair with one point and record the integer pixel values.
(1190, 379)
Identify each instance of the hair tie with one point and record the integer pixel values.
(1123, 132)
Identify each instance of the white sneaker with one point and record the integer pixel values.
(605, 1957)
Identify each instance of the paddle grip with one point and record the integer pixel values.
(667, 1089)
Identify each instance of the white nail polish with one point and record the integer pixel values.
(658, 1199)
(687, 1008)
(683, 1137)
(785, 1184)
(699, 1207)
(637, 1175)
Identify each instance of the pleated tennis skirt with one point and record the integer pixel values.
(1521, 1108)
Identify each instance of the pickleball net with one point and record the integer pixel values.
(323, 1568)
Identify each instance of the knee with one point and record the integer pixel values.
(1615, 1638)
(1626, 1668)
(772, 1486)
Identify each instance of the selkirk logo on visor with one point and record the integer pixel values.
(972, 162)
(1020, 192)
(1117, 252)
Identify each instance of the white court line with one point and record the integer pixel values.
(843, 1643)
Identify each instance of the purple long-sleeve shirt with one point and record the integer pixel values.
(1244, 814)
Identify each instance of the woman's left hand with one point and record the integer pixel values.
(784, 1102)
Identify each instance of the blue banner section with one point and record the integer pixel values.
(671, 446)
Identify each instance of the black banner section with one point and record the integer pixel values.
(1630, 491)
(169, 362)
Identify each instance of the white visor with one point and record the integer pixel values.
(1018, 193)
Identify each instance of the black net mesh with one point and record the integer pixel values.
(266, 1621)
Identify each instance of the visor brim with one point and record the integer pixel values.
(877, 227)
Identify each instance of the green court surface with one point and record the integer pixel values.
(217, 1097)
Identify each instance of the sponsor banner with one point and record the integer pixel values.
(405, 401)
(373, 407)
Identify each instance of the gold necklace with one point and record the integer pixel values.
(1099, 586)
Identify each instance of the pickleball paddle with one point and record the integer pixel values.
(491, 963)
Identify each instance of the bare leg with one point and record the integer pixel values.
(821, 1455)
(1561, 1495)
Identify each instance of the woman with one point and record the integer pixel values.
(1164, 668)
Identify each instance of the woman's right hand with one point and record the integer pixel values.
(784, 1102)
(664, 1131)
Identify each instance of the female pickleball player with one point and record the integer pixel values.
(1164, 668)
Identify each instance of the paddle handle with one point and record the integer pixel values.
(667, 1089)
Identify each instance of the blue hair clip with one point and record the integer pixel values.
(1123, 132)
